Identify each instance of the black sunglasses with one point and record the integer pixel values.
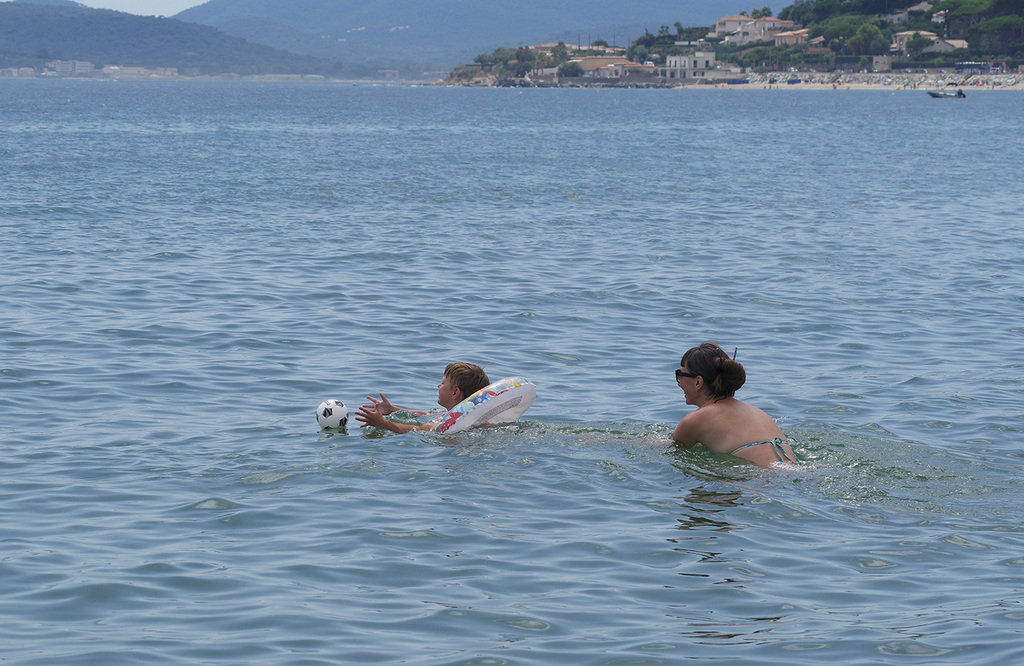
(680, 373)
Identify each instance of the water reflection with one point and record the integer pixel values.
(707, 518)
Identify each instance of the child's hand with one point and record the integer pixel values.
(369, 416)
(383, 405)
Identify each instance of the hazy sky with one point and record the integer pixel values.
(144, 7)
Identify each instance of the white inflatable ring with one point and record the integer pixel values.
(501, 402)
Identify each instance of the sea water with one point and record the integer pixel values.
(188, 268)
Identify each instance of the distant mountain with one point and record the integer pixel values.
(31, 34)
(443, 33)
(53, 3)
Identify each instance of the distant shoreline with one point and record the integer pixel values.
(781, 81)
(878, 81)
(230, 78)
(775, 81)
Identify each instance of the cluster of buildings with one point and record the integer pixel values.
(85, 69)
(17, 72)
(739, 30)
(611, 63)
(699, 61)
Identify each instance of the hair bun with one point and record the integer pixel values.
(721, 374)
(733, 375)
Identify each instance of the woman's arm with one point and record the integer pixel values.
(687, 432)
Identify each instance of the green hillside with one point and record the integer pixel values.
(33, 34)
(852, 32)
(992, 28)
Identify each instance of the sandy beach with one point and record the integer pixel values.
(935, 80)
(873, 81)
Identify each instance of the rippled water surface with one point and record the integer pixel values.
(188, 269)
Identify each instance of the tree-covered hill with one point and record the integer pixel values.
(32, 34)
(441, 33)
(992, 28)
(851, 32)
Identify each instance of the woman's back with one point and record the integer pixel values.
(709, 378)
(733, 427)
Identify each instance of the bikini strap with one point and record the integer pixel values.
(780, 451)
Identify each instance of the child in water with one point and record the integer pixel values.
(723, 424)
(460, 380)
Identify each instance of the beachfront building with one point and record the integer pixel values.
(691, 66)
(70, 67)
(573, 49)
(626, 69)
(613, 67)
(591, 64)
(133, 72)
(623, 69)
(17, 72)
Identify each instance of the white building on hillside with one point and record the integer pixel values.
(697, 65)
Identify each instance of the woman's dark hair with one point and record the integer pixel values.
(722, 375)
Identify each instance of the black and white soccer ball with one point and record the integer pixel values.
(332, 414)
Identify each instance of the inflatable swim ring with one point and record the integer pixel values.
(501, 402)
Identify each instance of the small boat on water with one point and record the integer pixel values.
(947, 94)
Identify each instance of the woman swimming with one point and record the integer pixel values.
(723, 424)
